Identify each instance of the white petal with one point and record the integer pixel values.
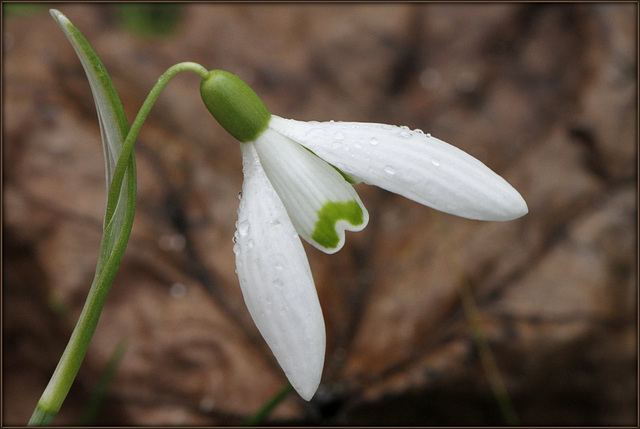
(410, 163)
(276, 280)
(320, 202)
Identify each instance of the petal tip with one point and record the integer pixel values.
(514, 208)
(307, 391)
(519, 208)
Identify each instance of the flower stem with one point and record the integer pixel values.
(127, 146)
(73, 355)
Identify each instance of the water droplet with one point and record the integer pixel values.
(435, 162)
(279, 266)
(250, 244)
(336, 145)
(338, 135)
(243, 228)
(236, 249)
(373, 141)
(275, 222)
(178, 290)
(418, 131)
(240, 195)
(175, 242)
(428, 135)
(206, 404)
(390, 170)
(277, 283)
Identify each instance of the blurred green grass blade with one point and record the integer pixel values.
(263, 413)
(150, 19)
(22, 8)
(96, 399)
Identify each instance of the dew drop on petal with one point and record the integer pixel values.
(274, 222)
(240, 195)
(373, 141)
(428, 135)
(279, 266)
(389, 170)
(435, 162)
(243, 228)
(250, 244)
(236, 249)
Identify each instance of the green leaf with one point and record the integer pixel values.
(114, 126)
(116, 227)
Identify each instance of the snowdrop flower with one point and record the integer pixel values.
(298, 183)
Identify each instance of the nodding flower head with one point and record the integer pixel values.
(298, 180)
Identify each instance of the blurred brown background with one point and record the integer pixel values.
(543, 94)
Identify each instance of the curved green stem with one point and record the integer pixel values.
(69, 364)
(127, 146)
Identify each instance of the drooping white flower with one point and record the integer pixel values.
(297, 183)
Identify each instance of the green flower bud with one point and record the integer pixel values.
(234, 105)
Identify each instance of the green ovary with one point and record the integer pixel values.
(325, 231)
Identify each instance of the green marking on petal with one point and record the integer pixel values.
(325, 231)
